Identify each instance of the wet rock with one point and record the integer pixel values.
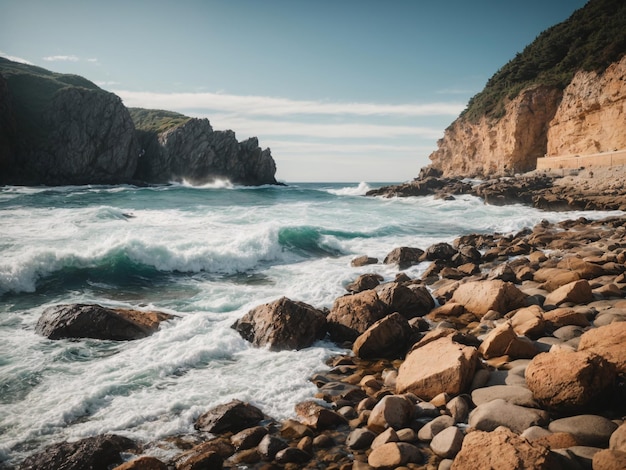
(404, 257)
(97, 453)
(363, 261)
(490, 415)
(209, 455)
(387, 338)
(568, 381)
(233, 416)
(351, 315)
(248, 438)
(440, 251)
(439, 366)
(95, 321)
(283, 324)
(364, 282)
(479, 297)
(318, 417)
(410, 302)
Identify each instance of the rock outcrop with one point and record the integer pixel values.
(194, 152)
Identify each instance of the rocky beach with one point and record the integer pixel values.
(507, 353)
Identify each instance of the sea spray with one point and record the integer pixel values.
(207, 255)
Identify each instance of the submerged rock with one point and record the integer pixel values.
(95, 321)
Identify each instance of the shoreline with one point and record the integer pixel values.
(538, 262)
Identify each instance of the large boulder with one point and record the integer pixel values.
(387, 338)
(351, 315)
(609, 342)
(394, 455)
(479, 297)
(567, 380)
(577, 292)
(95, 321)
(504, 341)
(94, 453)
(437, 367)
(282, 324)
(589, 430)
(233, 416)
(502, 449)
(410, 301)
(495, 413)
(404, 256)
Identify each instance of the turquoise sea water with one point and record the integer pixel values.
(208, 255)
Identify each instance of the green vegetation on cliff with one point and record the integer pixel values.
(591, 39)
(156, 120)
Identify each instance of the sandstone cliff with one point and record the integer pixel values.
(592, 114)
(565, 94)
(194, 152)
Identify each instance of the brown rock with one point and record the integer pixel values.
(503, 341)
(364, 282)
(490, 415)
(318, 417)
(565, 316)
(387, 338)
(351, 315)
(404, 257)
(577, 292)
(554, 278)
(529, 321)
(209, 455)
(501, 449)
(248, 438)
(391, 412)
(414, 301)
(448, 442)
(282, 324)
(142, 463)
(589, 430)
(440, 366)
(584, 269)
(481, 296)
(564, 380)
(294, 430)
(618, 439)
(557, 440)
(607, 341)
(233, 416)
(363, 261)
(394, 454)
(608, 459)
(95, 321)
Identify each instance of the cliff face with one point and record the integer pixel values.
(592, 114)
(193, 151)
(588, 117)
(492, 147)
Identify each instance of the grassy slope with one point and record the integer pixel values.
(591, 39)
(156, 120)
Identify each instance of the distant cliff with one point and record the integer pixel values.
(58, 129)
(565, 94)
(176, 147)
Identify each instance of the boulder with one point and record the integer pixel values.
(529, 321)
(608, 459)
(514, 394)
(490, 415)
(566, 381)
(409, 301)
(479, 297)
(248, 438)
(577, 292)
(589, 430)
(364, 282)
(618, 439)
(554, 278)
(394, 454)
(387, 338)
(388, 435)
(360, 438)
(439, 366)
(282, 324)
(363, 261)
(95, 321)
(564, 317)
(142, 463)
(392, 411)
(404, 257)
(434, 427)
(97, 453)
(208, 455)
(270, 446)
(583, 268)
(292, 455)
(448, 442)
(233, 416)
(351, 315)
(607, 341)
(502, 449)
(503, 341)
(440, 251)
(318, 417)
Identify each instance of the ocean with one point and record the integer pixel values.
(207, 255)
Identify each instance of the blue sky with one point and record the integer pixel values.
(339, 90)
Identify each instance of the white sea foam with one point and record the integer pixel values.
(359, 190)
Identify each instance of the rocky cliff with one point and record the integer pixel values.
(565, 94)
(62, 129)
(58, 129)
(191, 150)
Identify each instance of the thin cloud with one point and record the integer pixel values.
(61, 58)
(304, 147)
(15, 58)
(273, 106)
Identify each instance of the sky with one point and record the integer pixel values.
(341, 90)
